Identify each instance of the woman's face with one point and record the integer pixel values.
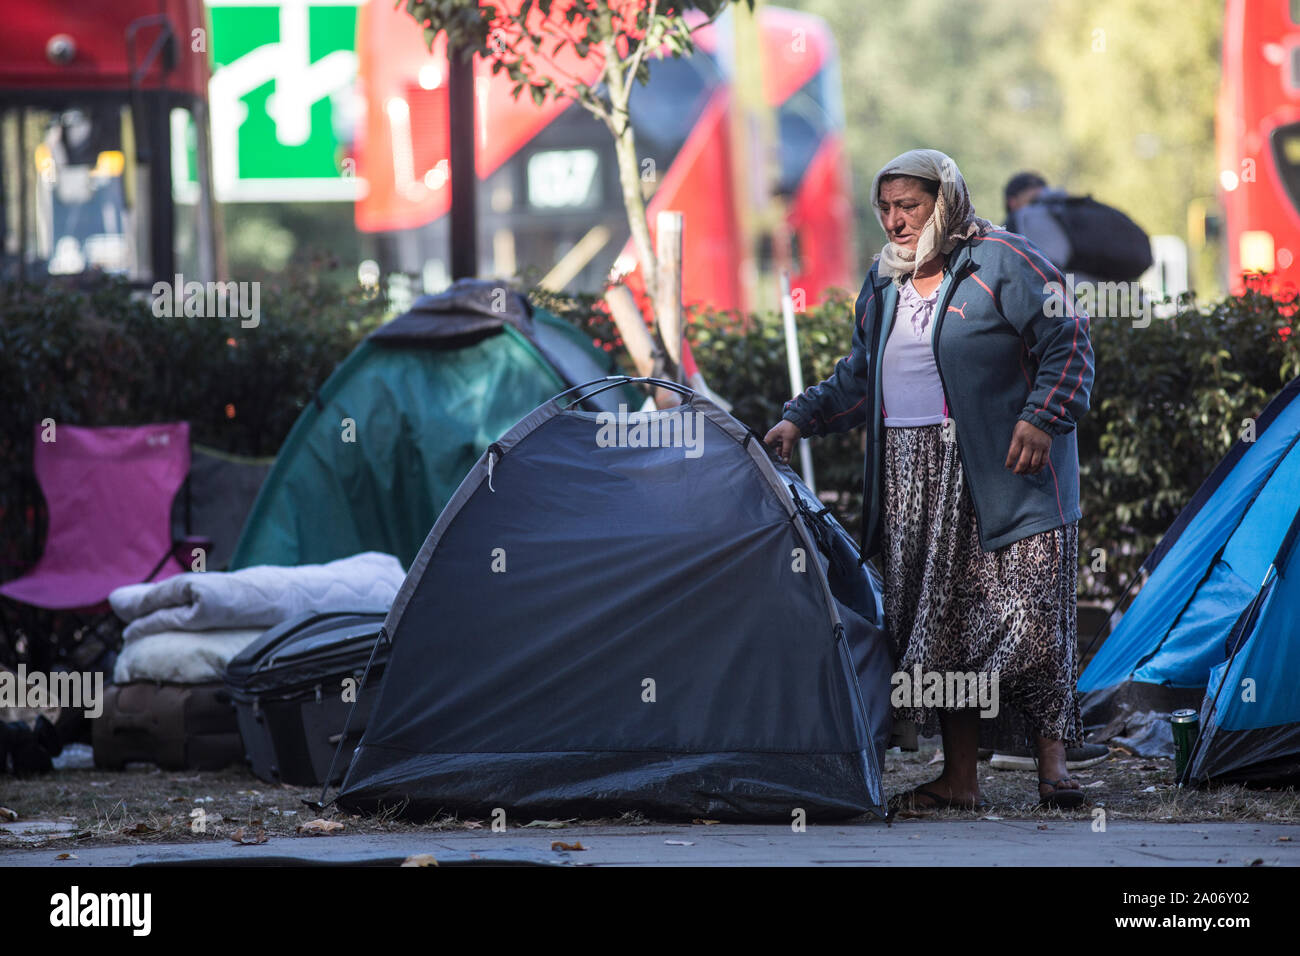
(905, 207)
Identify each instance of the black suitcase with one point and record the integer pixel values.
(289, 691)
(176, 726)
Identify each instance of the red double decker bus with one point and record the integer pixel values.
(104, 141)
(549, 197)
(1258, 135)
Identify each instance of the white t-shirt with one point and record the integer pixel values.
(909, 380)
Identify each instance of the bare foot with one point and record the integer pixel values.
(938, 795)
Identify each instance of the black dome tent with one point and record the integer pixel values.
(631, 612)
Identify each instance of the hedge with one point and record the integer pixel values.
(1168, 401)
(100, 356)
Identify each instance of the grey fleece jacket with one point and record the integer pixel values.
(1008, 348)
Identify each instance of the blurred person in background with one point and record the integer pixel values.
(1088, 241)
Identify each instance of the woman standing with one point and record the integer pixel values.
(970, 371)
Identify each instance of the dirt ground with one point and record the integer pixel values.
(144, 805)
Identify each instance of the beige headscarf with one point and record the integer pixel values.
(952, 221)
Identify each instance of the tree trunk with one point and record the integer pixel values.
(629, 177)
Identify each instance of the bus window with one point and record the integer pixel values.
(1286, 151)
(664, 114)
(193, 244)
(804, 122)
(75, 198)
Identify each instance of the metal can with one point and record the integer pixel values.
(1186, 726)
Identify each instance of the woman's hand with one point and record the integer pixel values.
(1029, 449)
(781, 439)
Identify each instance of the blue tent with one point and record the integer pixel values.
(1216, 625)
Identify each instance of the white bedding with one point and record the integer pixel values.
(181, 657)
(258, 597)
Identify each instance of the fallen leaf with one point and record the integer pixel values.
(248, 837)
(707, 823)
(319, 826)
(138, 829)
(549, 824)
(678, 843)
(473, 825)
(178, 799)
(1042, 826)
(7, 814)
(938, 757)
(1149, 790)
(991, 817)
(1284, 839)
(423, 859)
(559, 845)
(1095, 783)
(66, 856)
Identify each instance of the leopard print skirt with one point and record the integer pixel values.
(952, 607)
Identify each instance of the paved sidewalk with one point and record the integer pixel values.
(906, 843)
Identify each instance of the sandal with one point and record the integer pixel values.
(1061, 798)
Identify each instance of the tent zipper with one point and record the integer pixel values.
(492, 453)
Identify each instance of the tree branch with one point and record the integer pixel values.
(641, 48)
(710, 19)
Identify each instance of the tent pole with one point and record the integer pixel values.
(796, 372)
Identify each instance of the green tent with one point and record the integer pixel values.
(378, 453)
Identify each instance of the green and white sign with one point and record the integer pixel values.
(282, 101)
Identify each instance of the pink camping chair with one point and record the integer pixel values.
(109, 493)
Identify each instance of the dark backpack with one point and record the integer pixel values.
(1104, 242)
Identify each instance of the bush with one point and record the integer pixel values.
(99, 356)
(1168, 402)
